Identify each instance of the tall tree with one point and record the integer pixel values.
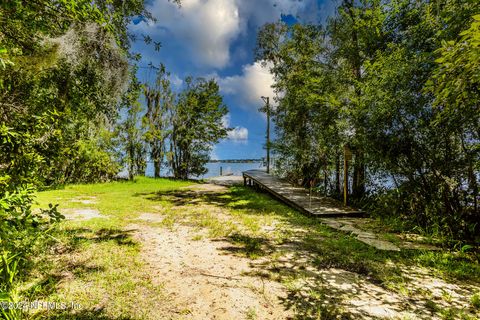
(130, 130)
(455, 84)
(356, 34)
(160, 100)
(196, 126)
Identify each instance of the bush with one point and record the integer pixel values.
(20, 230)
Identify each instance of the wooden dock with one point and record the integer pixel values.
(297, 197)
(330, 212)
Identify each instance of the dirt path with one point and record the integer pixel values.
(214, 254)
(204, 282)
(205, 279)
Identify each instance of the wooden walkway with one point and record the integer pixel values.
(330, 211)
(297, 197)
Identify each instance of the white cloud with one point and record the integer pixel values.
(176, 81)
(205, 27)
(213, 153)
(254, 82)
(238, 134)
(226, 120)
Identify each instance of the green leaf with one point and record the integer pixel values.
(466, 247)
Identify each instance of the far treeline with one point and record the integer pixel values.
(397, 82)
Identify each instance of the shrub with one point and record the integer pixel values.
(20, 230)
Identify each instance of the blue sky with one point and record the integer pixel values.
(216, 39)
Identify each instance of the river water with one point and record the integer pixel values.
(214, 169)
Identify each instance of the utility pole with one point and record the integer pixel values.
(266, 109)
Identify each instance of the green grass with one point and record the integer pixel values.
(251, 314)
(100, 253)
(475, 301)
(119, 200)
(95, 263)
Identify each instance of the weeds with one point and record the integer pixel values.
(475, 301)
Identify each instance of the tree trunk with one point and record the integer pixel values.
(358, 183)
(337, 175)
(325, 180)
(156, 166)
(131, 161)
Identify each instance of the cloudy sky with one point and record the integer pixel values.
(216, 39)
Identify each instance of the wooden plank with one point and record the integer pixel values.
(299, 198)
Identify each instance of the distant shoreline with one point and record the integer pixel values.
(236, 161)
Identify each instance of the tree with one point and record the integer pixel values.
(397, 81)
(160, 100)
(306, 115)
(355, 34)
(130, 130)
(455, 84)
(196, 126)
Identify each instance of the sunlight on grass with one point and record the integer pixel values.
(122, 200)
(96, 261)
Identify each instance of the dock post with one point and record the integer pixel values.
(345, 182)
(221, 171)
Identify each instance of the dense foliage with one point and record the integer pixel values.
(63, 71)
(397, 83)
(67, 70)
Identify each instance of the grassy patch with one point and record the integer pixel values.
(252, 247)
(475, 301)
(119, 200)
(97, 269)
(94, 263)
(100, 253)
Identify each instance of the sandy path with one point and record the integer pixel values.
(203, 281)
